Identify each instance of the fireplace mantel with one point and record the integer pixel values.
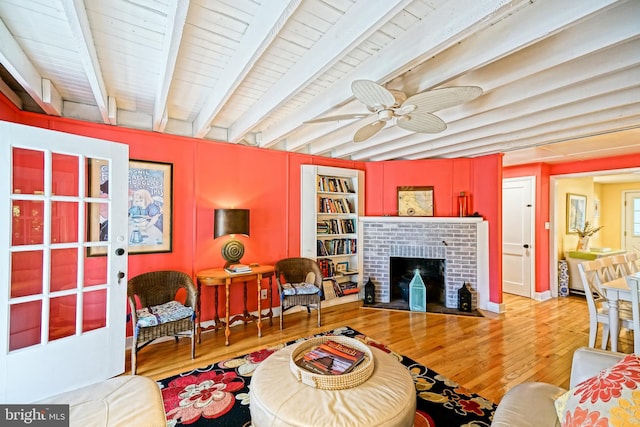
(436, 219)
(463, 240)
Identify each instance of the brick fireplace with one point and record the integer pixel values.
(461, 242)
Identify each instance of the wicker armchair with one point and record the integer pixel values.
(297, 287)
(159, 315)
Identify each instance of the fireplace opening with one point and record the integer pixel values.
(432, 272)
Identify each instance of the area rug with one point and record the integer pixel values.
(218, 395)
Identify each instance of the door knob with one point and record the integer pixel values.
(526, 246)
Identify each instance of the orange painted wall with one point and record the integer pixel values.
(209, 175)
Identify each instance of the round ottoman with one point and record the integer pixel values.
(277, 398)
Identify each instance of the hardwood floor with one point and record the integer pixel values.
(532, 341)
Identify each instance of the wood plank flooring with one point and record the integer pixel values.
(532, 341)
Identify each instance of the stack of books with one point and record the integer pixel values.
(238, 268)
(331, 358)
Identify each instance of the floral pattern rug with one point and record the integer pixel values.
(218, 395)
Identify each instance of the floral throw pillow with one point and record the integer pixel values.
(611, 398)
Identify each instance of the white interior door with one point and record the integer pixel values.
(517, 235)
(631, 231)
(62, 310)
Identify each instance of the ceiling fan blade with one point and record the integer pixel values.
(439, 99)
(421, 122)
(372, 94)
(398, 95)
(367, 131)
(337, 118)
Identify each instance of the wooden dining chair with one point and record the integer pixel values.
(631, 262)
(634, 287)
(619, 265)
(593, 274)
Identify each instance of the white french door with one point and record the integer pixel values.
(63, 222)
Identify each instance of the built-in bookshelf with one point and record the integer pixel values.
(331, 201)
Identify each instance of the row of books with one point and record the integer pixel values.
(336, 226)
(336, 247)
(329, 205)
(326, 267)
(334, 185)
(334, 289)
(331, 358)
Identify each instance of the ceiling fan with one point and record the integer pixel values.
(414, 113)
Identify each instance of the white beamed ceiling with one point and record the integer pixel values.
(561, 78)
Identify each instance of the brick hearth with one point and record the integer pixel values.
(462, 242)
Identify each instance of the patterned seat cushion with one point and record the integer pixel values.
(163, 313)
(303, 288)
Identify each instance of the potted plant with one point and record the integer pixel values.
(583, 235)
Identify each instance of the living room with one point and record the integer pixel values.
(213, 167)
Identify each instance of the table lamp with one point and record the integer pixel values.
(231, 222)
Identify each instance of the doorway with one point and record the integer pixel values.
(518, 231)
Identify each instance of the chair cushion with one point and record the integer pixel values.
(303, 288)
(610, 398)
(163, 313)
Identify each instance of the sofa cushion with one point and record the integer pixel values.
(528, 404)
(299, 288)
(128, 400)
(610, 398)
(163, 313)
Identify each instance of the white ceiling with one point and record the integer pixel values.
(560, 77)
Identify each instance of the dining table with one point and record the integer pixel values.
(624, 288)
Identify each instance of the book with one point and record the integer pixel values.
(238, 268)
(331, 358)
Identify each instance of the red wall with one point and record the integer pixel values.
(209, 175)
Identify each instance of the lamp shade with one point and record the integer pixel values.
(230, 221)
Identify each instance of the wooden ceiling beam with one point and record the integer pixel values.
(81, 30)
(397, 57)
(25, 73)
(176, 19)
(622, 98)
(260, 34)
(564, 59)
(359, 22)
(611, 121)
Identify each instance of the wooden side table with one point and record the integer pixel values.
(220, 277)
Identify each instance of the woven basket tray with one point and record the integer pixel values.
(360, 373)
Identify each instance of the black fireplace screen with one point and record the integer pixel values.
(432, 272)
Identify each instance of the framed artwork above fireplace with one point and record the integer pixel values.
(415, 201)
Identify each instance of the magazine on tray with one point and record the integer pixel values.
(331, 358)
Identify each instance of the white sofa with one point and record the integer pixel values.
(531, 404)
(127, 400)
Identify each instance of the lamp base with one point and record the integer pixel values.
(232, 252)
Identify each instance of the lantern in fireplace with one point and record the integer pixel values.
(417, 293)
(369, 292)
(464, 298)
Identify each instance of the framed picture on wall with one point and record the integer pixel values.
(576, 212)
(415, 201)
(150, 207)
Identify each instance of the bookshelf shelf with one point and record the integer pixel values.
(332, 200)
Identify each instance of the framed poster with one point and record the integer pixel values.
(415, 201)
(150, 195)
(576, 212)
